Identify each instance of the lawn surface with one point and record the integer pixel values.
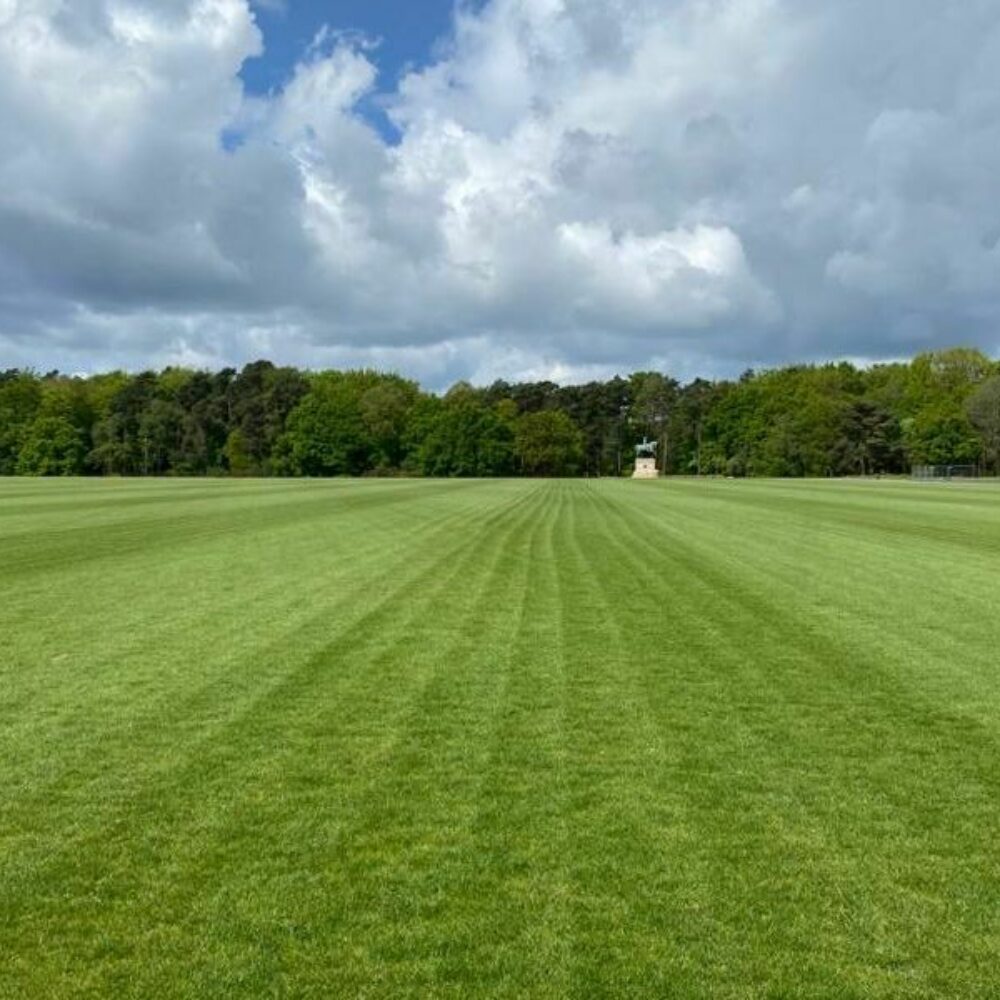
(553, 739)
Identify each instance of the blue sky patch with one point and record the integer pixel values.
(405, 32)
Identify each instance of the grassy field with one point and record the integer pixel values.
(554, 739)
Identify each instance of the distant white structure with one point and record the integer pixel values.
(645, 461)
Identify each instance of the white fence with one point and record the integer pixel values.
(946, 472)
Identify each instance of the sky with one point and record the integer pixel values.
(512, 189)
(401, 37)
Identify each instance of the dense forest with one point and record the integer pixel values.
(826, 420)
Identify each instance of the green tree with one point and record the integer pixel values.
(461, 436)
(600, 410)
(870, 440)
(802, 420)
(118, 448)
(20, 399)
(941, 434)
(52, 447)
(686, 434)
(385, 409)
(202, 399)
(238, 462)
(326, 435)
(160, 433)
(260, 400)
(548, 443)
(983, 410)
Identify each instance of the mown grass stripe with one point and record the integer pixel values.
(542, 739)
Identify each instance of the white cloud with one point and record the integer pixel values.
(686, 277)
(580, 186)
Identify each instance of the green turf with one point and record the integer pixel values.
(567, 739)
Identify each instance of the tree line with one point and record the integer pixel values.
(942, 407)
